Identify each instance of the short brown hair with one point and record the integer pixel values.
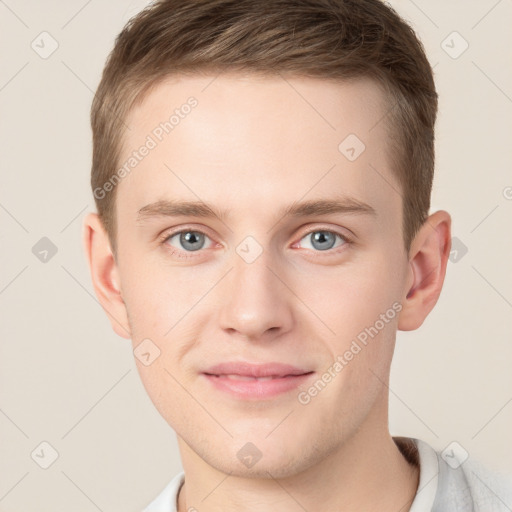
(330, 39)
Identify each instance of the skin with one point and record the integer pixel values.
(255, 145)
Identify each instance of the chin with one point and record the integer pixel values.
(249, 460)
(263, 469)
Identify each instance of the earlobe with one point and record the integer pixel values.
(104, 273)
(428, 259)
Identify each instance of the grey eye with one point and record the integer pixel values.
(322, 240)
(189, 240)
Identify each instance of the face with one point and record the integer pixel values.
(264, 281)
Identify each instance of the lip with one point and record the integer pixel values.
(255, 381)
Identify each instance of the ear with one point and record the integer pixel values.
(428, 258)
(104, 273)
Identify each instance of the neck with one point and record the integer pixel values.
(367, 472)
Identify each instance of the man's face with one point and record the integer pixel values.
(260, 286)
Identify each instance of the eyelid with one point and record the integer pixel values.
(314, 229)
(169, 233)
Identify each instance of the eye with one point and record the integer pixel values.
(186, 240)
(189, 241)
(324, 240)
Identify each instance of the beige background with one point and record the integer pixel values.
(66, 378)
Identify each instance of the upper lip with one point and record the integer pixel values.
(255, 369)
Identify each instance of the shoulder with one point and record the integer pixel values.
(489, 491)
(466, 485)
(452, 481)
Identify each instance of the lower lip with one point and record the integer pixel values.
(257, 389)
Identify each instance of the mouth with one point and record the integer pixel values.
(234, 376)
(255, 381)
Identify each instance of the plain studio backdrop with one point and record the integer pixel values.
(70, 395)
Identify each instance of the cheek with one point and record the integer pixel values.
(355, 296)
(360, 305)
(155, 297)
(165, 393)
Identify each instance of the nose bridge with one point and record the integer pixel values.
(252, 265)
(256, 300)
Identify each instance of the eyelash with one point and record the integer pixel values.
(176, 252)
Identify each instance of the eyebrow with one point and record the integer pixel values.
(174, 208)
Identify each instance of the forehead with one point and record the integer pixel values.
(254, 141)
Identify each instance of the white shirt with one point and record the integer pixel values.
(458, 486)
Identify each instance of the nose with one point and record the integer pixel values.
(256, 302)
